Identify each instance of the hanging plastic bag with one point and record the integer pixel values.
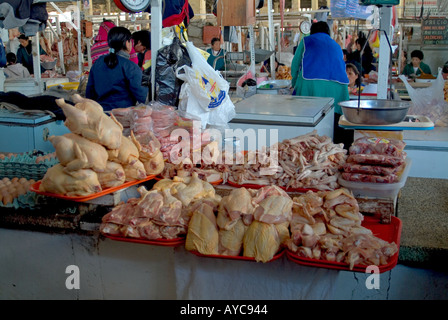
(169, 58)
(246, 86)
(430, 101)
(204, 93)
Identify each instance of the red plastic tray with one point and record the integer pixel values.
(157, 242)
(259, 186)
(215, 183)
(35, 188)
(219, 256)
(388, 232)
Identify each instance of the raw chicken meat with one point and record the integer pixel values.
(234, 207)
(307, 161)
(134, 171)
(150, 154)
(231, 239)
(331, 229)
(88, 119)
(202, 235)
(376, 159)
(273, 205)
(372, 145)
(112, 176)
(371, 178)
(371, 169)
(127, 153)
(263, 240)
(75, 152)
(82, 182)
(194, 189)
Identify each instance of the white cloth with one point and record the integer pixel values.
(212, 278)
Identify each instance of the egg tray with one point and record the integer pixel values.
(25, 166)
(28, 201)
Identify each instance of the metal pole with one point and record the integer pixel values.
(384, 54)
(36, 58)
(156, 40)
(271, 39)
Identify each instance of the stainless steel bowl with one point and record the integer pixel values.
(48, 65)
(375, 112)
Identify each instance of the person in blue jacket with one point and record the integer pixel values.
(114, 80)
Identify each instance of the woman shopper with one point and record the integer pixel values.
(114, 80)
(318, 69)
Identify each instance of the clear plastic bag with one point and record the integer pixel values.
(430, 101)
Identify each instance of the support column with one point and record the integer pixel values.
(314, 4)
(156, 39)
(199, 7)
(296, 5)
(271, 39)
(384, 59)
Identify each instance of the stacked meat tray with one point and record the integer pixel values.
(375, 160)
(319, 226)
(96, 157)
(293, 206)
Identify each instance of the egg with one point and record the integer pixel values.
(13, 192)
(7, 199)
(23, 180)
(5, 179)
(14, 179)
(21, 190)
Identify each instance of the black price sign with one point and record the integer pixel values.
(435, 31)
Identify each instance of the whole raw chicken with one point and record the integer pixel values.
(82, 182)
(75, 152)
(127, 153)
(87, 118)
(150, 153)
(112, 176)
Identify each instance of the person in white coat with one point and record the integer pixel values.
(13, 69)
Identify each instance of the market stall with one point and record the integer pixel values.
(150, 202)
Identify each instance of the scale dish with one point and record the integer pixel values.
(375, 112)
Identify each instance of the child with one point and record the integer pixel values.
(13, 69)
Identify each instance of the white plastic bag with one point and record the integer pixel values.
(430, 101)
(204, 93)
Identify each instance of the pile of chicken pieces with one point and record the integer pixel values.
(326, 225)
(308, 161)
(247, 222)
(163, 212)
(96, 155)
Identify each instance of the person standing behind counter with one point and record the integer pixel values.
(25, 53)
(114, 80)
(318, 70)
(142, 45)
(416, 67)
(216, 53)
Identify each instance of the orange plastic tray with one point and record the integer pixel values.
(259, 186)
(215, 183)
(156, 242)
(219, 256)
(35, 188)
(388, 232)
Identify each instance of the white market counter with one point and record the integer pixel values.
(289, 116)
